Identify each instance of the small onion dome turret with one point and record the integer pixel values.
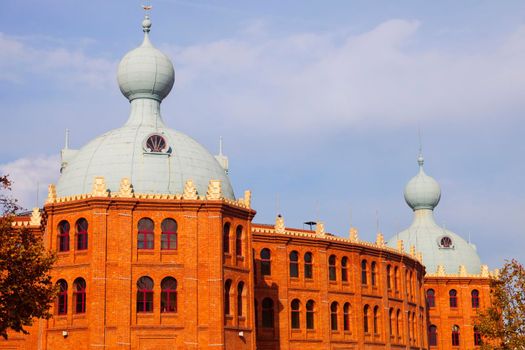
(422, 191)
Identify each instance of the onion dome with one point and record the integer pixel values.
(422, 191)
(155, 158)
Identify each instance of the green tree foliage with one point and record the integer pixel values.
(26, 289)
(502, 325)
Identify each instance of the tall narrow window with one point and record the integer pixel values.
(63, 236)
(227, 291)
(226, 238)
(331, 268)
(145, 294)
(310, 305)
(455, 335)
(409, 326)
(240, 296)
(333, 315)
(267, 313)
(389, 276)
(398, 320)
(431, 298)
(376, 319)
(256, 314)
(366, 311)
(373, 273)
(346, 317)
(79, 295)
(344, 269)
(396, 278)
(432, 336)
(308, 267)
(62, 297)
(363, 272)
(266, 267)
(296, 322)
(238, 241)
(169, 234)
(145, 237)
(168, 297)
(82, 234)
(475, 298)
(294, 264)
(391, 321)
(453, 298)
(477, 336)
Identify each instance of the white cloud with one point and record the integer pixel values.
(30, 173)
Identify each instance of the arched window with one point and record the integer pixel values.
(455, 335)
(168, 297)
(410, 286)
(296, 322)
(409, 326)
(373, 273)
(82, 234)
(477, 336)
(308, 267)
(62, 297)
(344, 269)
(453, 298)
(145, 294)
(414, 321)
(145, 237)
(389, 276)
(310, 305)
(333, 315)
(256, 314)
(331, 268)
(475, 298)
(266, 267)
(432, 335)
(226, 238)
(294, 264)
(363, 272)
(346, 316)
(240, 296)
(431, 298)
(79, 295)
(238, 241)
(63, 236)
(376, 319)
(366, 311)
(169, 234)
(396, 278)
(267, 313)
(391, 321)
(227, 291)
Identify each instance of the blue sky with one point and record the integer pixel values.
(319, 103)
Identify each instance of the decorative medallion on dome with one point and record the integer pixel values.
(445, 242)
(156, 143)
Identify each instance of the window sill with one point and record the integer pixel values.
(144, 251)
(79, 315)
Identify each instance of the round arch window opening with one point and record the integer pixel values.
(156, 143)
(446, 242)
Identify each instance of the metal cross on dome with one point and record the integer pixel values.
(147, 6)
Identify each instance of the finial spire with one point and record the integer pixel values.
(220, 145)
(146, 23)
(66, 143)
(420, 159)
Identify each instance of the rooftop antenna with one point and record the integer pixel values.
(220, 145)
(377, 220)
(278, 203)
(420, 143)
(66, 145)
(37, 192)
(350, 217)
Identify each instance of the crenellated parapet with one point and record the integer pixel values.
(463, 273)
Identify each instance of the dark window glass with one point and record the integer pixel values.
(168, 298)
(390, 321)
(62, 298)
(308, 267)
(453, 298)
(346, 317)
(431, 298)
(82, 234)
(238, 241)
(331, 268)
(267, 313)
(365, 318)
(477, 336)
(446, 242)
(475, 299)
(310, 314)
(344, 269)
(227, 288)
(294, 264)
(145, 294)
(432, 336)
(376, 320)
(363, 272)
(63, 236)
(226, 238)
(398, 319)
(256, 306)
(79, 295)
(266, 267)
(169, 234)
(455, 335)
(373, 273)
(240, 291)
(296, 322)
(333, 315)
(396, 278)
(156, 143)
(389, 277)
(145, 237)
